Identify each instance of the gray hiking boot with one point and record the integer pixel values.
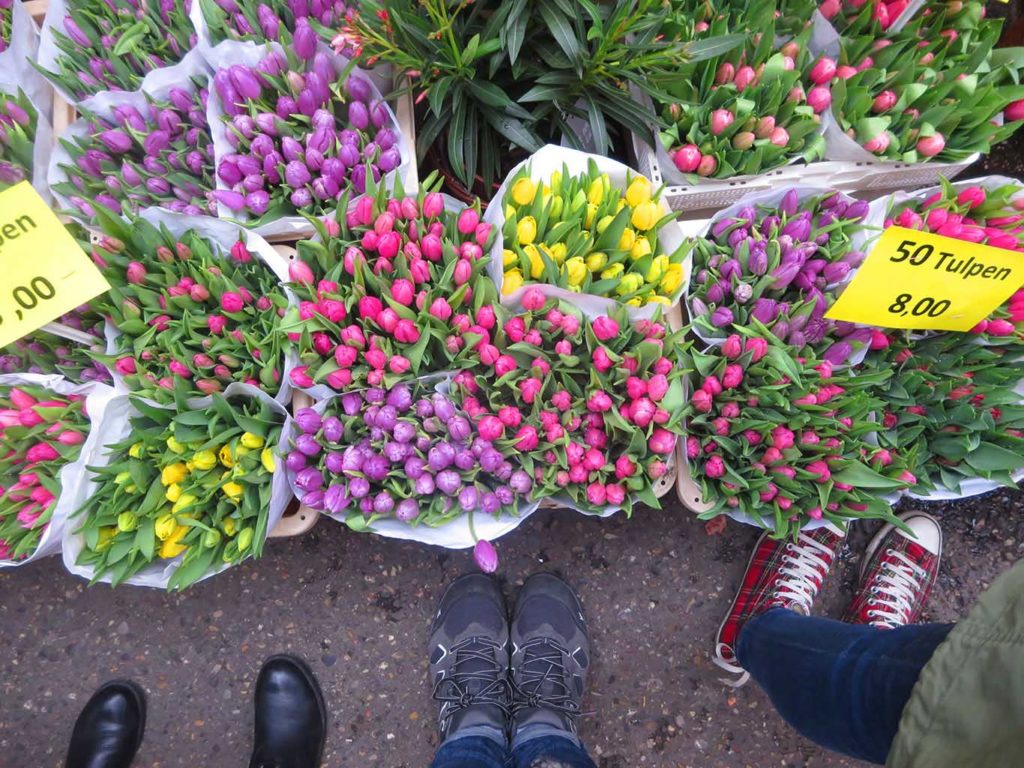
(469, 657)
(550, 655)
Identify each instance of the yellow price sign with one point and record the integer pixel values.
(44, 272)
(918, 280)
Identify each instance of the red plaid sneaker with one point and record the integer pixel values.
(784, 574)
(897, 573)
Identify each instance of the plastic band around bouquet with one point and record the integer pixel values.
(223, 234)
(249, 54)
(865, 232)
(542, 164)
(455, 534)
(113, 426)
(71, 474)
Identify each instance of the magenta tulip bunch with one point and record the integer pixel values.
(992, 215)
(134, 159)
(591, 406)
(6, 17)
(750, 110)
(781, 266)
(18, 121)
(112, 45)
(40, 433)
(191, 319)
(385, 289)
(303, 135)
(406, 453)
(782, 439)
(269, 21)
(43, 352)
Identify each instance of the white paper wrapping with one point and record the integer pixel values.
(223, 234)
(97, 397)
(249, 54)
(542, 164)
(113, 427)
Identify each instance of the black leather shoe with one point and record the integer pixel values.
(109, 731)
(291, 720)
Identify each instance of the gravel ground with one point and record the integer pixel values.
(358, 607)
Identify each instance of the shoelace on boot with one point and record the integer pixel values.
(804, 566)
(898, 589)
(455, 691)
(542, 664)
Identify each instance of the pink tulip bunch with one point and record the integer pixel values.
(591, 406)
(860, 16)
(383, 285)
(749, 110)
(191, 318)
(991, 215)
(40, 432)
(782, 438)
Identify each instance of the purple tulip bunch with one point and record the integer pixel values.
(18, 121)
(302, 135)
(6, 8)
(781, 265)
(266, 21)
(42, 352)
(112, 45)
(158, 156)
(403, 453)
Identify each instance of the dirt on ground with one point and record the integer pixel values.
(357, 607)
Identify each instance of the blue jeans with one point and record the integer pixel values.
(843, 686)
(491, 750)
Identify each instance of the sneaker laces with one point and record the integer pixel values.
(455, 692)
(804, 565)
(543, 663)
(897, 591)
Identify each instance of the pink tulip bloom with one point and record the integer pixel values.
(605, 328)
(714, 467)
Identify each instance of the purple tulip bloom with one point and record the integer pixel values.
(308, 445)
(383, 503)
(358, 487)
(407, 510)
(258, 202)
(376, 467)
(414, 467)
(443, 408)
(490, 503)
(441, 456)
(424, 409)
(784, 274)
(459, 429)
(505, 494)
(404, 432)
(314, 499)
(491, 460)
(449, 482)
(469, 498)
(333, 428)
(789, 203)
(358, 115)
(465, 460)
(295, 461)
(351, 403)
(425, 485)
(336, 499)
(308, 420)
(304, 40)
(722, 317)
(309, 479)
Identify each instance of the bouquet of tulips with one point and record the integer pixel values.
(110, 45)
(785, 440)
(954, 406)
(195, 487)
(193, 316)
(44, 353)
(41, 432)
(267, 21)
(584, 233)
(926, 92)
(6, 14)
(381, 290)
(989, 211)
(863, 17)
(749, 110)
(780, 263)
(18, 121)
(591, 406)
(404, 453)
(299, 134)
(131, 159)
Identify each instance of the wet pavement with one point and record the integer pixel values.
(358, 607)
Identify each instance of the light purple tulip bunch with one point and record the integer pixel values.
(404, 453)
(302, 134)
(782, 266)
(112, 45)
(6, 8)
(158, 156)
(18, 121)
(270, 20)
(42, 352)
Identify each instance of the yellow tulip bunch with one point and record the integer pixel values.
(584, 234)
(191, 484)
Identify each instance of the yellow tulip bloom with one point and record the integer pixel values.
(233, 491)
(204, 460)
(556, 181)
(174, 473)
(557, 206)
(510, 211)
(636, 301)
(627, 239)
(512, 283)
(267, 460)
(509, 258)
(575, 271)
(556, 252)
(173, 492)
(164, 527)
(658, 266)
(630, 283)
(595, 194)
(641, 248)
(184, 501)
(588, 222)
(174, 446)
(225, 456)
(229, 526)
(244, 539)
(173, 547)
(536, 262)
(612, 272)
(659, 300)
(526, 230)
(523, 191)
(251, 441)
(106, 536)
(638, 191)
(603, 222)
(136, 451)
(672, 279)
(645, 215)
(127, 522)
(596, 261)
